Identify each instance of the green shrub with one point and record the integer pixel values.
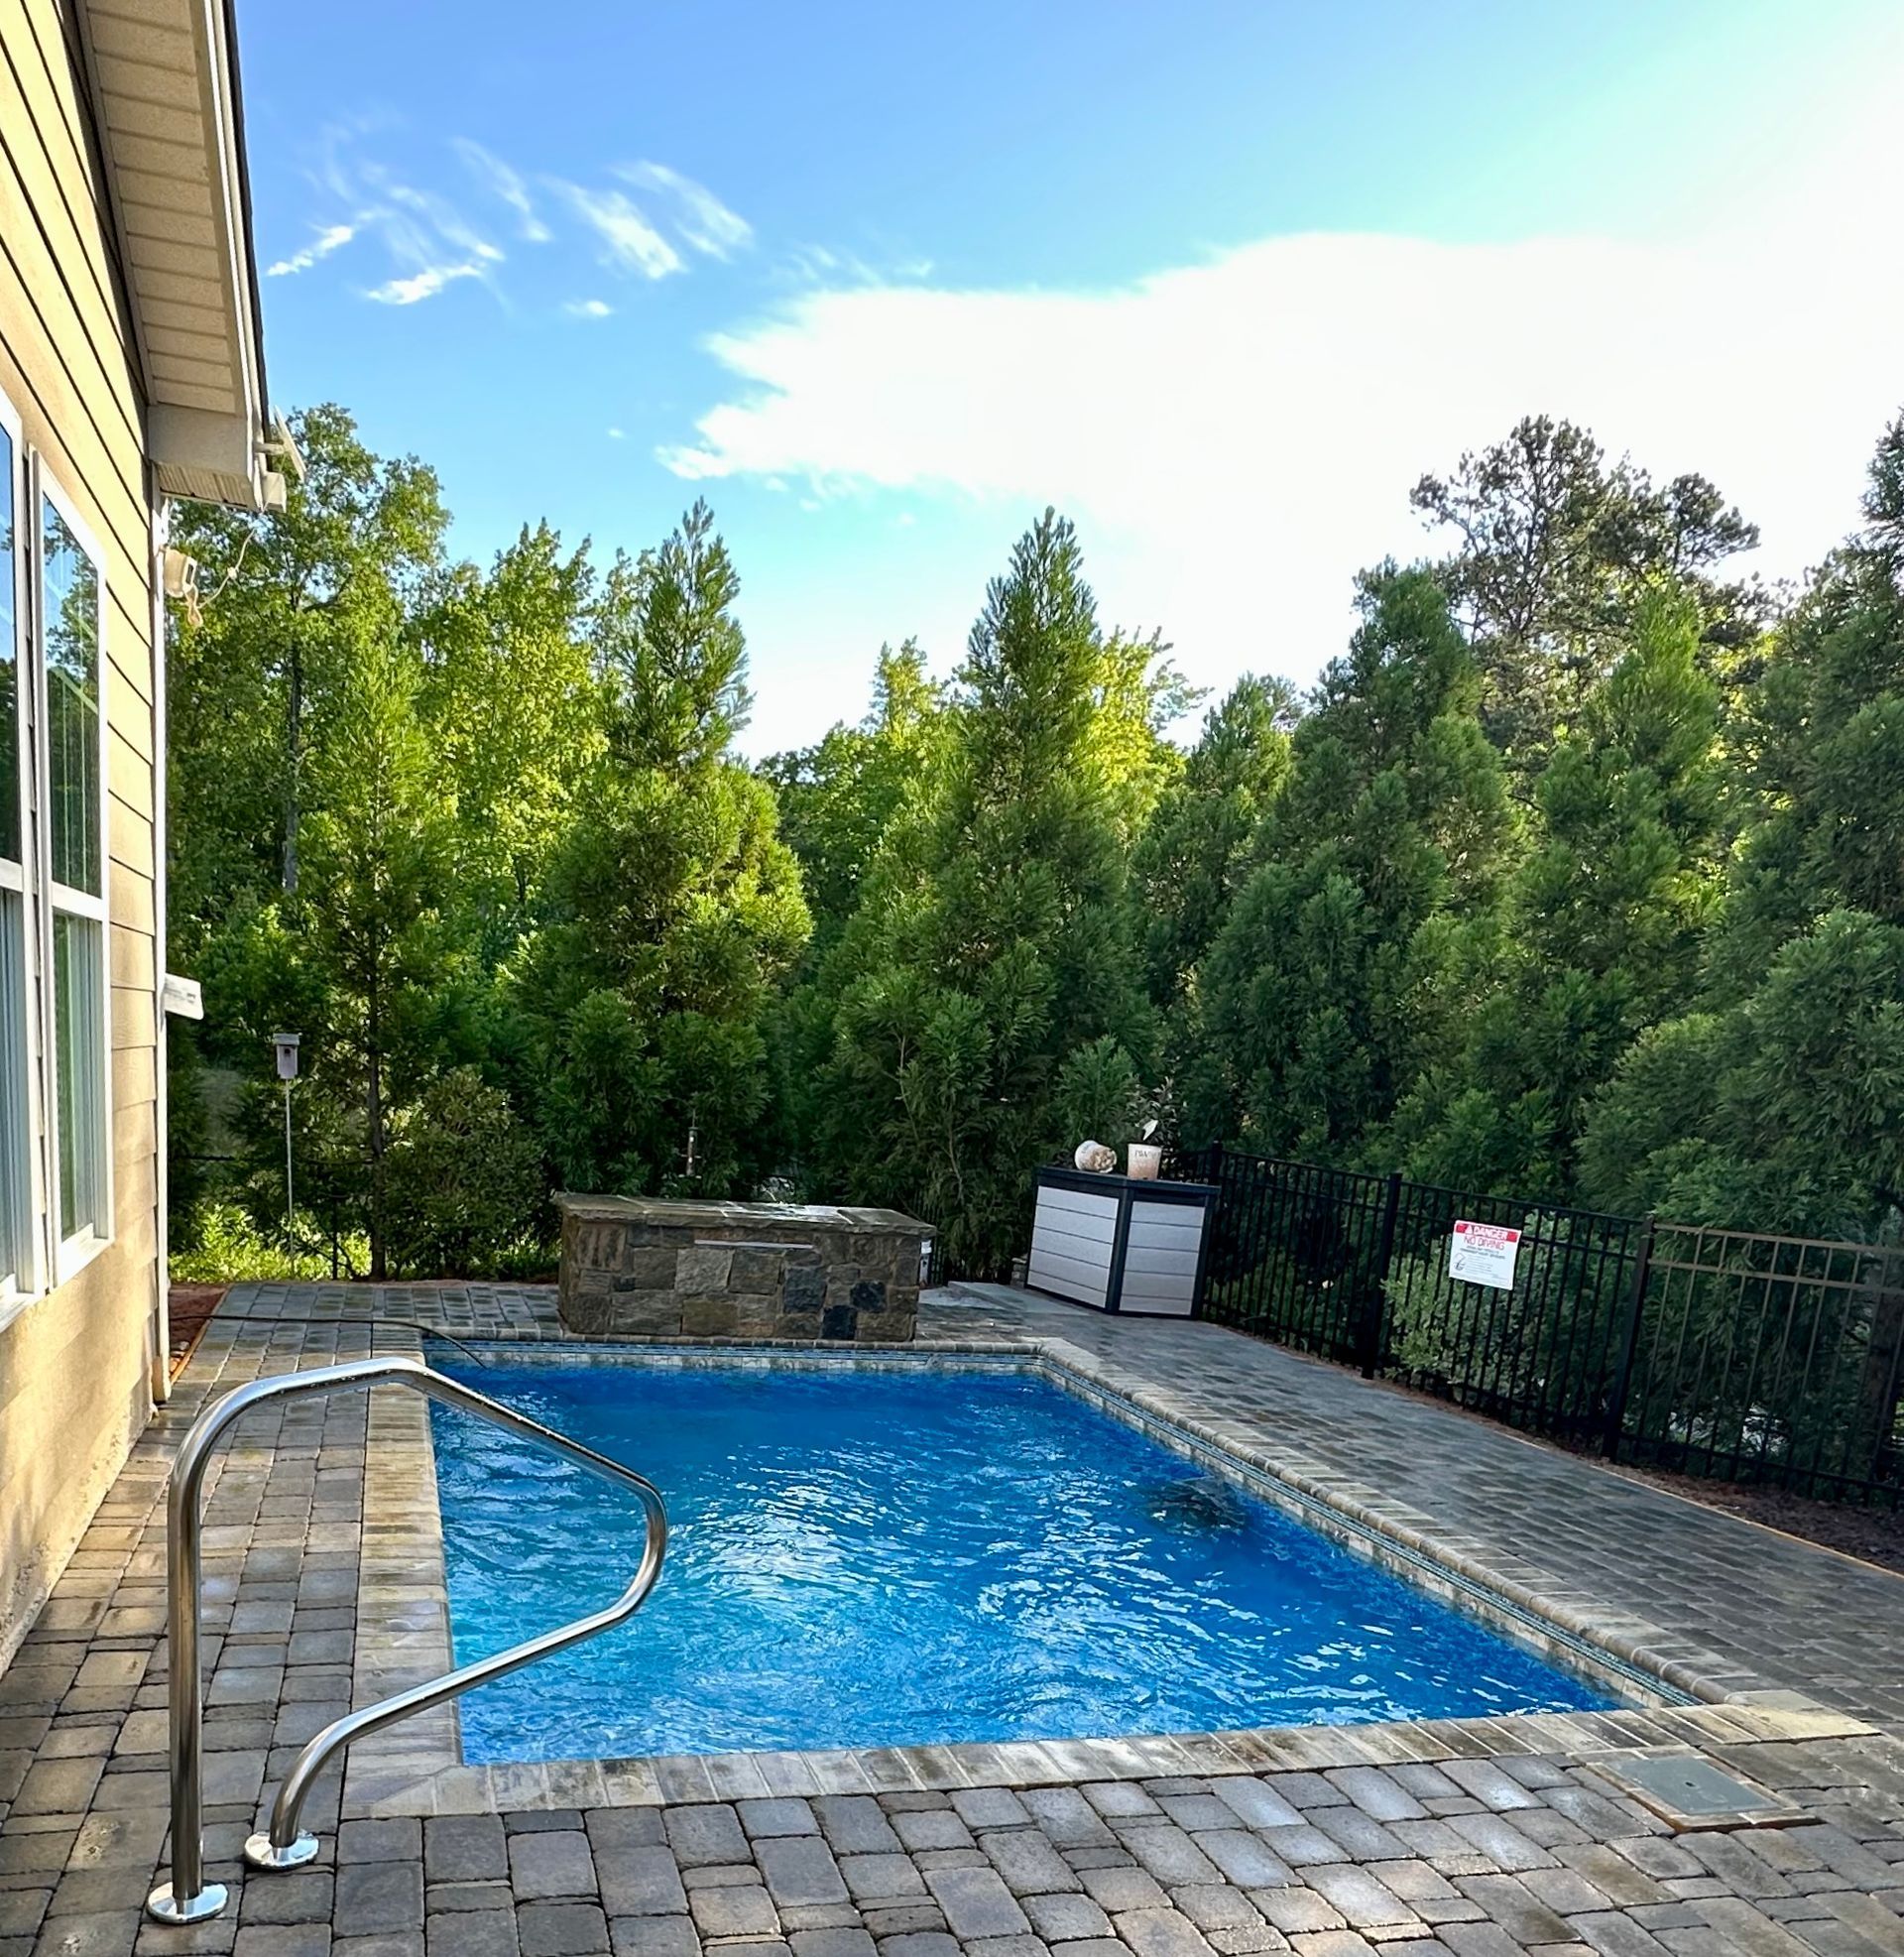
(224, 1246)
(464, 1183)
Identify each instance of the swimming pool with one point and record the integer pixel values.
(869, 1557)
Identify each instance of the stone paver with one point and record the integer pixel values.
(1483, 1840)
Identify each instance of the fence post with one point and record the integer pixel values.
(1372, 1333)
(1629, 1344)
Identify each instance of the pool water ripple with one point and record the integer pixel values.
(890, 1558)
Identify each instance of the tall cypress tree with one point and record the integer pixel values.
(1601, 929)
(673, 906)
(1196, 848)
(1775, 1103)
(1327, 988)
(990, 996)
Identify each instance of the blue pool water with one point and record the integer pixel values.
(878, 1558)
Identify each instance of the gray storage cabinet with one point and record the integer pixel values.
(1118, 1245)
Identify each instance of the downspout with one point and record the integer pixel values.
(161, 849)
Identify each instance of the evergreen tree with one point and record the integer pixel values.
(1775, 1104)
(839, 797)
(1187, 865)
(971, 985)
(1600, 936)
(372, 944)
(306, 879)
(673, 906)
(1323, 993)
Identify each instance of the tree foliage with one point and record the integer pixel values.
(1577, 874)
(479, 836)
(987, 987)
(1555, 547)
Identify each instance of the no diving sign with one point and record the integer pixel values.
(1483, 1254)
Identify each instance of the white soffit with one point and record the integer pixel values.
(165, 89)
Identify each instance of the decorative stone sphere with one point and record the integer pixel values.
(1094, 1158)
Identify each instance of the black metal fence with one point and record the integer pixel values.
(1772, 1359)
(1708, 1352)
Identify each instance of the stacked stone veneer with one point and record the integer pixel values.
(633, 1267)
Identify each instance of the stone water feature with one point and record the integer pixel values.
(634, 1266)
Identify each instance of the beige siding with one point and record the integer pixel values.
(75, 1365)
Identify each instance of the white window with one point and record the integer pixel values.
(18, 1260)
(55, 1127)
(69, 640)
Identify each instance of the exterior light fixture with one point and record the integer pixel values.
(285, 1046)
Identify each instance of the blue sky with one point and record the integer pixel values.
(1221, 281)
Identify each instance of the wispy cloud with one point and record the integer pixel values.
(431, 240)
(428, 241)
(334, 237)
(626, 238)
(504, 184)
(821, 265)
(422, 285)
(702, 220)
(442, 219)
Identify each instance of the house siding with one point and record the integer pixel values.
(77, 1364)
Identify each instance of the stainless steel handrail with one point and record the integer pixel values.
(188, 1897)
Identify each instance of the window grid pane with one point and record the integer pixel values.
(71, 583)
(78, 1023)
(16, 1220)
(9, 666)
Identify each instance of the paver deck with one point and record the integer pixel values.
(1479, 1840)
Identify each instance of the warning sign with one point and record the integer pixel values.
(1483, 1254)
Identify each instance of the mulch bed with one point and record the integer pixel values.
(190, 1311)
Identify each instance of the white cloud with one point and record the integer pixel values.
(428, 241)
(422, 285)
(703, 221)
(431, 242)
(332, 237)
(442, 217)
(1238, 436)
(506, 184)
(617, 434)
(629, 241)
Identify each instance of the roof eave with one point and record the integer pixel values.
(208, 435)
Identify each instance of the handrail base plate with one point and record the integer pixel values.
(261, 1853)
(198, 1908)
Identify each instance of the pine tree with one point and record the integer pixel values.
(971, 984)
(1323, 992)
(1555, 548)
(673, 906)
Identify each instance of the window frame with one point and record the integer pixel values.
(21, 879)
(70, 1252)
